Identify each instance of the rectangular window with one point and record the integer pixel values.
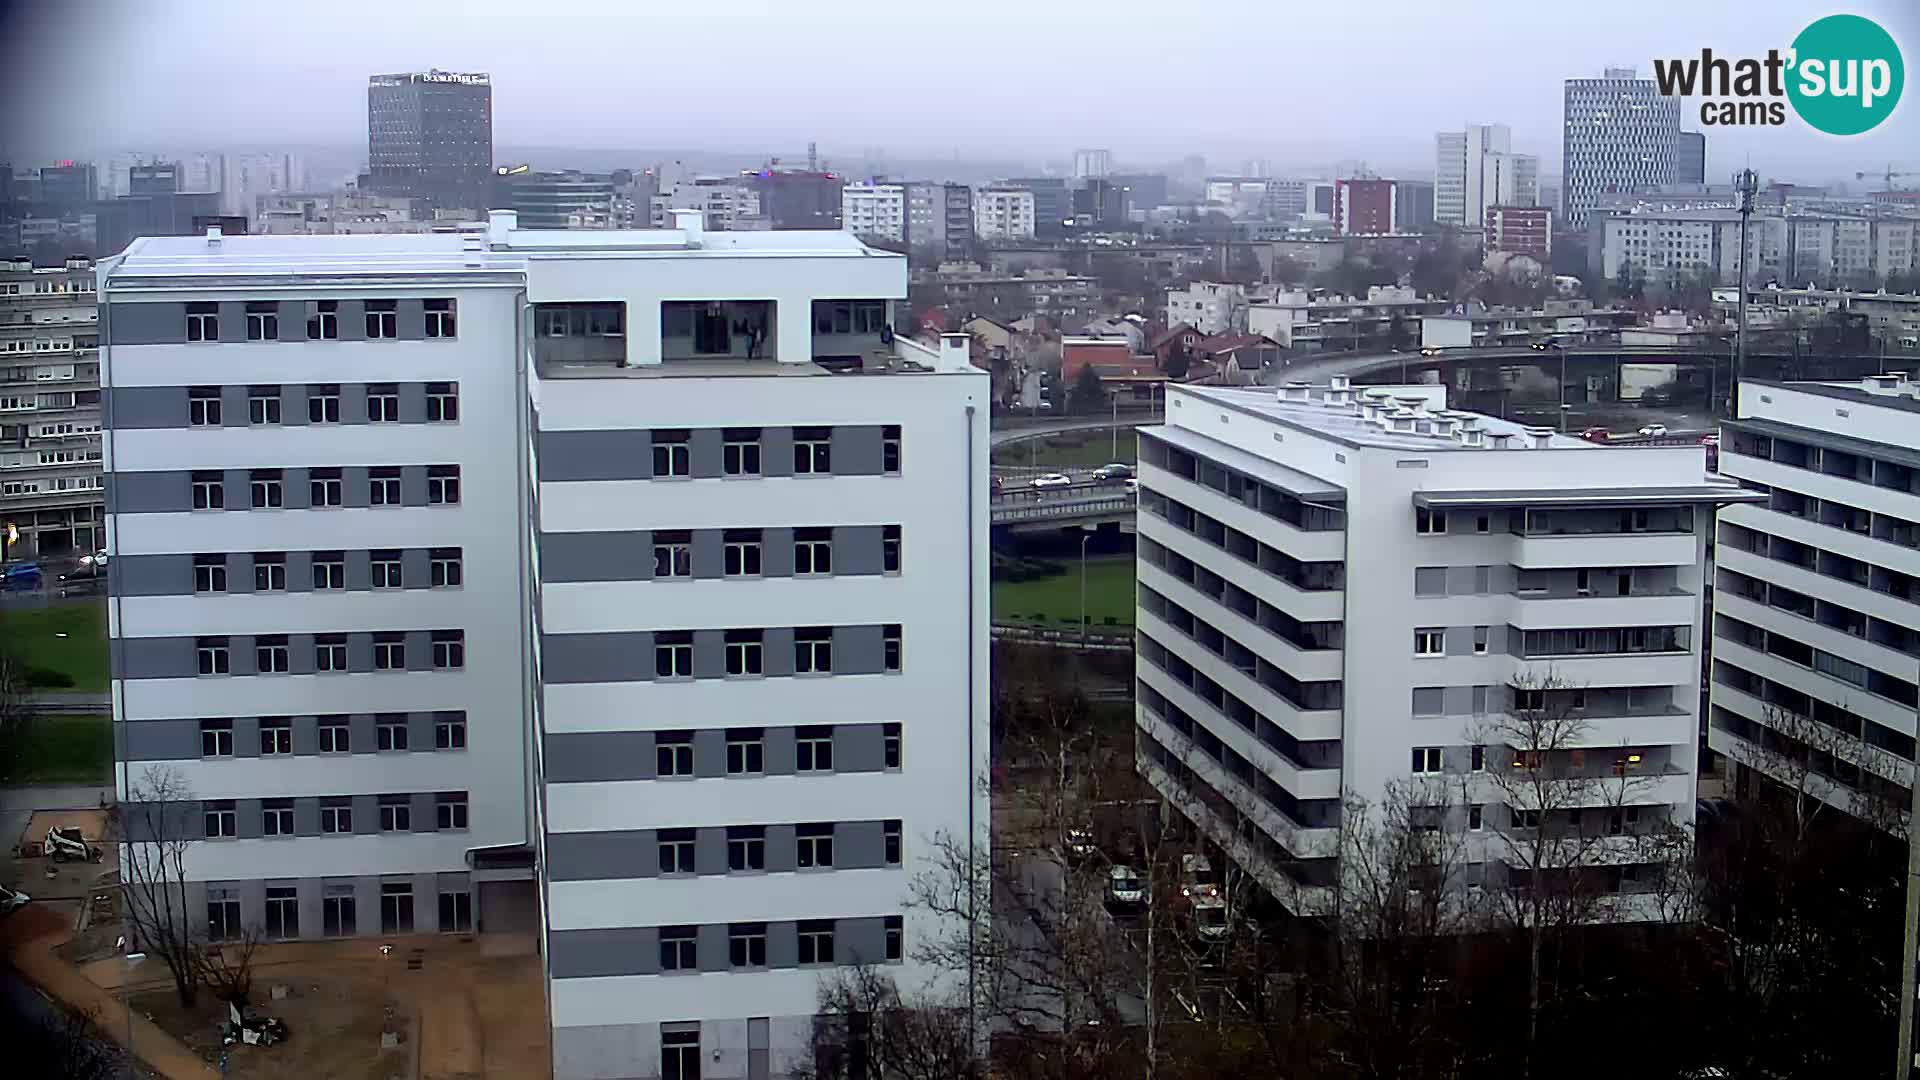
(746, 847)
(220, 818)
(383, 318)
(390, 731)
(210, 573)
(813, 650)
(444, 569)
(1525, 819)
(336, 736)
(383, 486)
(323, 324)
(676, 851)
(747, 945)
(449, 650)
(276, 817)
(1480, 640)
(890, 549)
(336, 816)
(746, 751)
(396, 907)
(1429, 641)
(203, 322)
(812, 551)
(276, 736)
(890, 450)
(386, 567)
(896, 937)
(1426, 759)
(263, 320)
(283, 911)
(208, 491)
(680, 1054)
(450, 732)
(223, 915)
(743, 649)
(443, 402)
(741, 552)
(329, 570)
(891, 841)
(203, 406)
(383, 402)
(816, 941)
(263, 405)
(337, 915)
(211, 655)
(216, 738)
(673, 754)
(443, 485)
(323, 403)
(673, 654)
(672, 454)
(456, 912)
(813, 749)
(890, 648)
(396, 813)
(1475, 818)
(815, 841)
(390, 652)
(440, 323)
(890, 745)
(812, 450)
(450, 810)
(266, 489)
(1429, 522)
(672, 553)
(327, 487)
(740, 453)
(269, 571)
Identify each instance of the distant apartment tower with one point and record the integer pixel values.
(1691, 165)
(1364, 207)
(1817, 597)
(798, 199)
(50, 473)
(729, 204)
(1475, 168)
(1052, 203)
(1003, 213)
(1345, 593)
(1621, 135)
(160, 178)
(1413, 205)
(558, 200)
(1092, 163)
(876, 210)
(430, 137)
(939, 217)
(1520, 230)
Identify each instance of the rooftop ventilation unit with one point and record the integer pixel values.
(1472, 436)
(213, 238)
(1443, 426)
(1499, 439)
(1296, 391)
(1339, 382)
(1540, 437)
(1414, 403)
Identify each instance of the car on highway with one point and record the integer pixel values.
(1052, 479)
(1045, 405)
(1597, 434)
(1430, 351)
(1654, 429)
(1125, 887)
(1133, 487)
(1112, 472)
(1540, 346)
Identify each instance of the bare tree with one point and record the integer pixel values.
(155, 831)
(865, 1028)
(226, 967)
(16, 715)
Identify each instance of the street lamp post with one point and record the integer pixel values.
(1085, 535)
(126, 1003)
(1116, 426)
(1563, 388)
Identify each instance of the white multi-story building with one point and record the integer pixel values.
(1816, 600)
(50, 478)
(1800, 248)
(1210, 307)
(1341, 591)
(1003, 213)
(1476, 168)
(1894, 317)
(1092, 163)
(595, 584)
(878, 210)
(1622, 134)
(727, 203)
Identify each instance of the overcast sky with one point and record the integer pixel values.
(1297, 82)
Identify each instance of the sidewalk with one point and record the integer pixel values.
(30, 936)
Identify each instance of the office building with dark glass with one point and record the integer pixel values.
(430, 137)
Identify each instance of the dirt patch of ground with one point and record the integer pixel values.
(334, 1027)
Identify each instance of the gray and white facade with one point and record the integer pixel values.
(1817, 592)
(720, 606)
(50, 502)
(1621, 135)
(1340, 590)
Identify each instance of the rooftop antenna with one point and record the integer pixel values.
(1746, 182)
(813, 157)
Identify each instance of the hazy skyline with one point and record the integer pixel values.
(990, 79)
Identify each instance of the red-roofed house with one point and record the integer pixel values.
(1238, 359)
(1119, 368)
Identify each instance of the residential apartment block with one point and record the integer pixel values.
(1210, 307)
(1315, 319)
(1621, 134)
(1476, 168)
(1345, 589)
(1003, 213)
(876, 210)
(1825, 249)
(1817, 593)
(50, 501)
(624, 587)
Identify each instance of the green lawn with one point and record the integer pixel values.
(66, 750)
(1079, 448)
(1053, 599)
(34, 636)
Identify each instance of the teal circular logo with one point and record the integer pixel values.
(1846, 75)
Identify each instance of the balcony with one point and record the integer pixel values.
(1546, 551)
(1539, 611)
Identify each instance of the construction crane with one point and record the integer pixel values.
(1887, 177)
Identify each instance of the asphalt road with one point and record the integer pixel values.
(1003, 436)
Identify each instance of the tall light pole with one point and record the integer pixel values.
(1746, 181)
(1086, 534)
(1116, 426)
(1563, 387)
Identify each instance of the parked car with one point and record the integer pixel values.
(1597, 434)
(1540, 346)
(1079, 844)
(1052, 479)
(1115, 471)
(1045, 405)
(1197, 877)
(1125, 887)
(23, 577)
(1654, 429)
(1430, 351)
(1210, 916)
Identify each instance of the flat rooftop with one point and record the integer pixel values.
(1344, 425)
(1904, 399)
